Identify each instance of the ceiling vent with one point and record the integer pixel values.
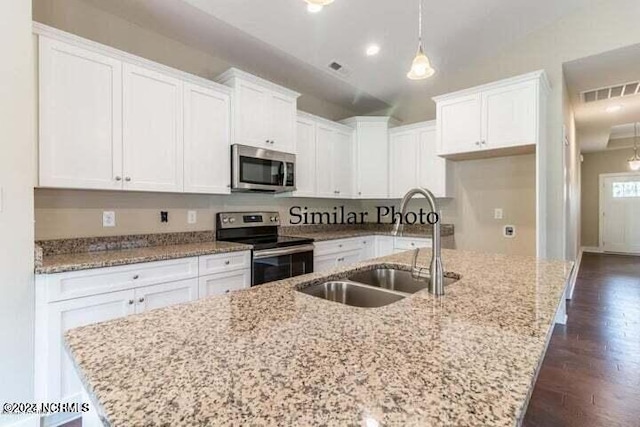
(339, 68)
(610, 92)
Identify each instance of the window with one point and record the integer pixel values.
(626, 189)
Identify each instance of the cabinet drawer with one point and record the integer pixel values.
(219, 284)
(76, 284)
(407, 243)
(212, 264)
(335, 246)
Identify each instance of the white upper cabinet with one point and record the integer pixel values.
(334, 161)
(500, 118)
(80, 118)
(206, 140)
(305, 158)
(264, 114)
(371, 139)
(152, 130)
(415, 163)
(111, 120)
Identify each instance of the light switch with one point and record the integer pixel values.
(192, 217)
(498, 213)
(108, 219)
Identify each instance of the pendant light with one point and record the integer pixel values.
(421, 67)
(634, 162)
(315, 6)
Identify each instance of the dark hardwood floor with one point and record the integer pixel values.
(591, 373)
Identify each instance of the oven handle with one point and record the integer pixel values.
(268, 253)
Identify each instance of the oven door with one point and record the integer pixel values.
(276, 264)
(257, 169)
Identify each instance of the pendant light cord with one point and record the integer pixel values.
(420, 23)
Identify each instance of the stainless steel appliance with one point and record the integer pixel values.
(257, 169)
(274, 257)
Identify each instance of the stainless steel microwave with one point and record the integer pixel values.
(257, 169)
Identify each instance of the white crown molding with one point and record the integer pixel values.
(231, 74)
(317, 119)
(539, 75)
(43, 30)
(431, 125)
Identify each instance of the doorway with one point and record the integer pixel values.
(620, 212)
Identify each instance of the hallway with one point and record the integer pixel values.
(591, 373)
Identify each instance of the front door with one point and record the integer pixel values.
(620, 213)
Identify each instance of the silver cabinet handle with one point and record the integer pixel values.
(131, 302)
(141, 299)
(128, 178)
(118, 178)
(136, 277)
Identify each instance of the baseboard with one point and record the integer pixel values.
(592, 249)
(30, 421)
(574, 274)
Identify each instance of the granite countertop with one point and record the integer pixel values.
(324, 233)
(272, 356)
(109, 258)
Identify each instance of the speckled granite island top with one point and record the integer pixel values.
(273, 356)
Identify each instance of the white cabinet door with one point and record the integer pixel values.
(219, 284)
(153, 130)
(206, 140)
(282, 123)
(459, 124)
(165, 294)
(509, 116)
(404, 151)
(433, 170)
(251, 115)
(324, 161)
(322, 263)
(342, 164)
(371, 161)
(305, 158)
(80, 143)
(62, 381)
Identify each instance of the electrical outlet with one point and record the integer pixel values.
(108, 219)
(192, 217)
(498, 213)
(509, 231)
(164, 216)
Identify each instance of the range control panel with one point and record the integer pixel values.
(247, 219)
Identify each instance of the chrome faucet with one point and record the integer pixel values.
(436, 272)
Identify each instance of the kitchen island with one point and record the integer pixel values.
(273, 356)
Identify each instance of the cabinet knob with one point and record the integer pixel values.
(339, 246)
(227, 262)
(118, 178)
(141, 299)
(483, 142)
(128, 179)
(131, 302)
(227, 291)
(359, 193)
(477, 143)
(136, 277)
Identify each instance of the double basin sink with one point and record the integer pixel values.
(373, 288)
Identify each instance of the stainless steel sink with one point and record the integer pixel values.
(392, 279)
(354, 294)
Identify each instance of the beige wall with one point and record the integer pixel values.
(16, 204)
(594, 164)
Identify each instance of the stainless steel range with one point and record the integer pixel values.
(274, 257)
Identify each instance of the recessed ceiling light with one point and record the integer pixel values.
(314, 8)
(373, 50)
(614, 108)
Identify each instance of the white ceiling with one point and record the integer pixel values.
(280, 40)
(593, 123)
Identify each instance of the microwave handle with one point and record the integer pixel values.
(284, 174)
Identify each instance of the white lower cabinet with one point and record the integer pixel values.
(69, 300)
(219, 284)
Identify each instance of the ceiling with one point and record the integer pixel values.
(281, 41)
(593, 123)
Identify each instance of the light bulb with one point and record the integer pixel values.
(421, 67)
(314, 8)
(634, 164)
